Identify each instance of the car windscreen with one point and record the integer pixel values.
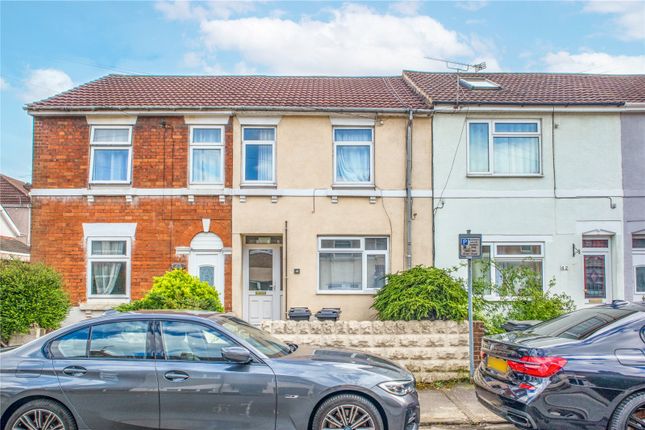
(261, 340)
(580, 324)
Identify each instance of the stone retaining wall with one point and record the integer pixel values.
(432, 350)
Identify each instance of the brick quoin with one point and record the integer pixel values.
(160, 160)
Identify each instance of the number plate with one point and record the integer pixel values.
(497, 364)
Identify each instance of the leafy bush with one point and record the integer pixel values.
(521, 297)
(30, 294)
(177, 289)
(422, 293)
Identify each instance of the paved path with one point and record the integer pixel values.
(455, 406)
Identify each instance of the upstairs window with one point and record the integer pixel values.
(504, 148)
(207, 155)
(353, 156)
(111, 154)
(259, 155)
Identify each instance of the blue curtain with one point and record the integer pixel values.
(259, 163)
(207, 135)
(353, 163)
(516, 127)
(207, 165)
(110, 165)
(478, 147)
(111, 135)
(353, 134)
(259, 134)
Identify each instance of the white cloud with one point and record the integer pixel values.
(355, 40)
(182, 10)
(594, 62)
(629, 17)
(43, 83)
(471, 6)
(3, 84)
(406, 7)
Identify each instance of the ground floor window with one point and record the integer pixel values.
(108, 267)
(352, 263)
(496, 257)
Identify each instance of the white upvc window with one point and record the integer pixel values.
(506, 255)
(504, 148)
(349, 264)
(353, 156)
(638, 259)
(111, 154)
(206, 155)
(108, 267)
(258, 147)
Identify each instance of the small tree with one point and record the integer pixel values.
(30, 294)
(177, 289)
(422, 293)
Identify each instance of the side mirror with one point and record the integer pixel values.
(237, 354)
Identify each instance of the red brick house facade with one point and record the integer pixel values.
(162, 224)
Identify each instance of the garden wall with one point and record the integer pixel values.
(431, 350)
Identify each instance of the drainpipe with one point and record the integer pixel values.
(408, 190)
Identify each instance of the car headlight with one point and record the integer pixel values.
(398, 388)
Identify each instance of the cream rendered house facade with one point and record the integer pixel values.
(318, 236)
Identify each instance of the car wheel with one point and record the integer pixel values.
(42, 415)
(630, 414)
(347, 411)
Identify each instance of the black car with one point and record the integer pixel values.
(583, 370)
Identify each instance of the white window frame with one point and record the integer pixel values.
(491, 134)
(338, 183)
(127, 259)
(495, 257)
(207, 145)
(363, 251)
(636, 292)
(272, 181)
(638, 254)
(110, 145)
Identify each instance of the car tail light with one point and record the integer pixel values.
(542, 367)
(526, 386)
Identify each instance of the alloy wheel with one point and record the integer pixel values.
(39, 419)
(636, 420)
(348, 417)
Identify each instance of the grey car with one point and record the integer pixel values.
(196, 370)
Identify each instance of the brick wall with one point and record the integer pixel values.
(431, 350)
(160, 160)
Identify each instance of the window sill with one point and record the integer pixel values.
(118, 185)
(258, 185)
(486, 175)
(347, 292)
(219, 186)
(354, 186)
(103, 303)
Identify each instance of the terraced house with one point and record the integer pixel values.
(278, 191)
(305, 191)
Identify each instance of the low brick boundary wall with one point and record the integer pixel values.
(432, 350)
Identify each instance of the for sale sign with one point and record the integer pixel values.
(470, 246)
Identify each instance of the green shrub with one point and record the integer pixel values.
(30, 294)
(422, 293)
(177, 289)
(521, 297)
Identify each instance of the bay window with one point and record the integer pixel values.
(108, 268)
(504, 148)
(111, 154)
(353, 156)
(258, 145)
(352, 264)
(207, 155)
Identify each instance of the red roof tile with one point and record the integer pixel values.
(533, 88)
(222, 92)
(13, 191)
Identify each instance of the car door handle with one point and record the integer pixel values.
(75, 371)
(176, 375)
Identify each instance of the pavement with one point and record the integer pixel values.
(456, 408)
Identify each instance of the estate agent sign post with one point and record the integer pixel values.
(470, 246)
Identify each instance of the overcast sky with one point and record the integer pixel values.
(47, 47)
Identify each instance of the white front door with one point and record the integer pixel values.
(209, 267)
(262, 292)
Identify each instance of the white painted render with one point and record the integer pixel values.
(574, 195)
